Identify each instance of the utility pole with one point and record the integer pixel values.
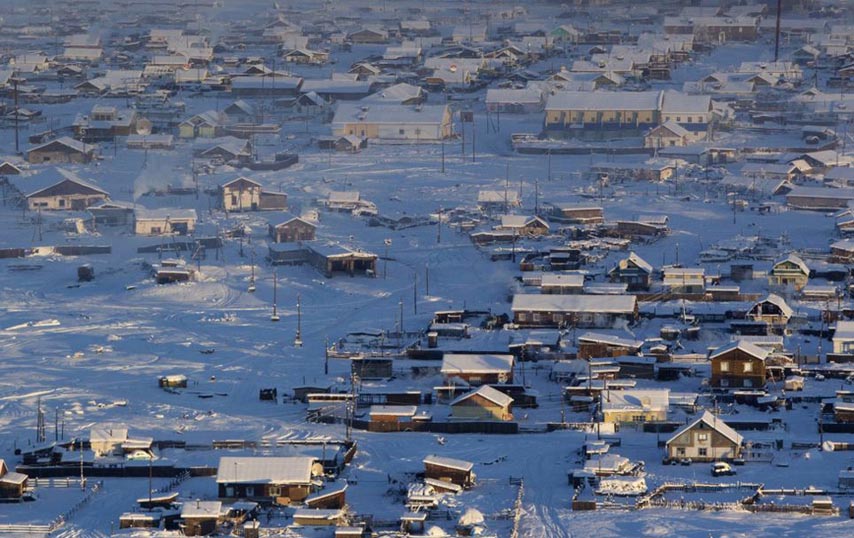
(777, 31)
(443, 155)
(415, 292)
(17, 114)
(298, 339)
(473, 138)
(275, 316)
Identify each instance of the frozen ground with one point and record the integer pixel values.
(93, 352)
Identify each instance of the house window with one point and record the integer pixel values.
(400, 131)
(233, 199)
(638, 418)
(748, 383)
(702, 437)
(724, 366)
(702, 451)
(155, 229)
(678, 118)
(747, 367)
(250, 491)
(680, 451)
(62, 203)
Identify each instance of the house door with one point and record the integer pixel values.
(78, 205)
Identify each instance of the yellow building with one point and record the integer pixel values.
(485, 403)
(635, 405)
(393, 122)
(578, 109)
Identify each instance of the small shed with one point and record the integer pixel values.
(451, 470)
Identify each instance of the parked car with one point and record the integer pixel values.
(721, 468)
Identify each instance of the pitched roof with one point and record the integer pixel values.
(264, 470)
(66, 141)
(742, 345)
(779, 302)
(712, 422)
(621, 304)
(796, 260)
(485, 391)
(450, 463)
(454, 363)
(69, 184)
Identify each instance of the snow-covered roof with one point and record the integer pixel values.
(389, 113)
(609, 339)
(393, 410)
(456, 363)
(201, 509)
(622, 304)
(450, 463)
(646, 400)
(712, 422)
(600, 100)
(742, 345)
(164, 213)
(485, 391)
(264, 470)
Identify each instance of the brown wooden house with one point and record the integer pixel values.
(451, 470)
(61, 150)
(478, 369)
(293, 229)
(740, 364)
(279, 480)
(12, 484)
(600, 345)
(200, 517)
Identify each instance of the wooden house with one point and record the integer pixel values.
(201, 517)
(306, 56)
(576, 214)
(633, 271)
(478, 369)
(740, 364)
(112, 213)
(333, 495)
(668, 134)
(790, 272)
(707, 438)
(244, 194)
(9, 169)
(319, 517)
(772, 310)
(593, 311)
(600, 345)
(292, 229)
(392, 417)
(69, 193)
(279, 480)
(843, 338)
(12, 484)
(485, 403)
(451, 470)
(164, 221)
(626, 406)
(330, 258)
(203, 125)
(562, 283)
(61, 150)
(685, 280)
(524, 225)
(368, 36)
